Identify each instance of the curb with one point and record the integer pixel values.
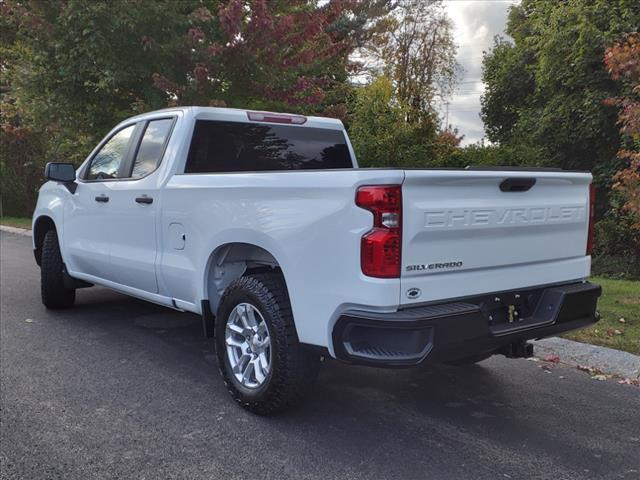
(576, 354)
(16, 230)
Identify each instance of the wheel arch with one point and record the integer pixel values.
(232, 260)
(41, 226)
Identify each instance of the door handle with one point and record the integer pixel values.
(144, 199)
(102, 198)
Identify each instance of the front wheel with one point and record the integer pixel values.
(263, 365)
(54, 294)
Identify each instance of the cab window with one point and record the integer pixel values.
(108, 162)
(152, 147)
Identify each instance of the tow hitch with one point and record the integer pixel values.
(519, 349)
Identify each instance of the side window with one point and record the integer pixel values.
(152, 147)
(107, 162)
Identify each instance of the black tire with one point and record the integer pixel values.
(470, 360)
(293, 368)
(54, 294)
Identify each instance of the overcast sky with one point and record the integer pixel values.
(476, 22)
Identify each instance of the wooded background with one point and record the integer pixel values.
(562, 85)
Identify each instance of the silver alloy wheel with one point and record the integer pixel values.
(248, 345)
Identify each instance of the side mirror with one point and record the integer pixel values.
(60, 172)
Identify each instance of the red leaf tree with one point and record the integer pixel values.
(262, 54)
(623, 63)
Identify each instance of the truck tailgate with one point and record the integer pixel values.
(468, 232)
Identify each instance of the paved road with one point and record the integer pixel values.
(118, 388)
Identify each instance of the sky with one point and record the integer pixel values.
(476, 23)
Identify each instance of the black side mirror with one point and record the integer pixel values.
(60, 172)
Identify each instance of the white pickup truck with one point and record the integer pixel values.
(263, 224)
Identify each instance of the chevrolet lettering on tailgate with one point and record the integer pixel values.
(486, 217)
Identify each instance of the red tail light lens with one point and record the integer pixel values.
(592, 218)
(381, 247)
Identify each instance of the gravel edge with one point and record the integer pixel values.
(610, 361)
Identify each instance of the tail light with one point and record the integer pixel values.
(592, 217)
(381, 247)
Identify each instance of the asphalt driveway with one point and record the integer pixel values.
(119, 388)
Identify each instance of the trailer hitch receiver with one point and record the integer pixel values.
(519, 349)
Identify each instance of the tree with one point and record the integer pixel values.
(415, 49)
(381, 134)
(509, 84)
(546, 87)
(618, 239)
(623, 63)
(76, 68)
(259, 54)
(408, 55)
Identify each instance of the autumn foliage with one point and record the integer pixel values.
(283, 52)
(623, 63)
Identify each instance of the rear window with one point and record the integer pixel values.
(247, 147)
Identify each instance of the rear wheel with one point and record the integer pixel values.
(263, 365)
(54, 294)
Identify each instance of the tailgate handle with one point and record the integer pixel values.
(517, 184)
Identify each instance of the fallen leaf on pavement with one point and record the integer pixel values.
(629, 381)
(590, 370)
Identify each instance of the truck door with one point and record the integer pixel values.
(135, 209)
(88, 215)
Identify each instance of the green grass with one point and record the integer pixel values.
(620, 300)
(16, 222)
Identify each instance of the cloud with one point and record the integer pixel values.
(476, 23)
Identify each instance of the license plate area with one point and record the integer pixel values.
(511, 312)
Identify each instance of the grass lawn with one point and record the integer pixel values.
(16, 222)
(620, 300)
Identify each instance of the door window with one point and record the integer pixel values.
(108, 161)
(152, 147)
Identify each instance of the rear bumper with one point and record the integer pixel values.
(468, 327)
